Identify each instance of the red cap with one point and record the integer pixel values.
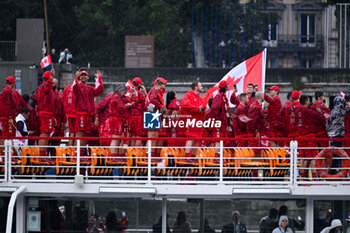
(160, 79)
(276, 88)
(10, 79)
(46, 75)
(296, 94)
(222, 84)
(137, 80)
(84, 72)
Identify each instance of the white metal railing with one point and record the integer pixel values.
(235, 165)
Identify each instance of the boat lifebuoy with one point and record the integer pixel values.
(328, 153)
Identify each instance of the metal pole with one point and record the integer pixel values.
(345, 36)
(340, 36)
(11, 207)
(46, 28)
(6, 158)
(201, 214)
(295, 159)
(326, 39)
(309, 221)
(164, 214)
(78, 157)
(291, 163)
(149, 151)
(20, 214)
(221, 161)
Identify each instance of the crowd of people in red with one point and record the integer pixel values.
(120, 114)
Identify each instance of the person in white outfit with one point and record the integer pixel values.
(335, 227)
(283, 225)
(22, 130)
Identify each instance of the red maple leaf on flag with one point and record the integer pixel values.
(232, 81)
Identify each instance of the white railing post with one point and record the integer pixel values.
(291, 163)
(295, 161)
(221, 173)
(6, 158)
(149, 151)
(78, 157)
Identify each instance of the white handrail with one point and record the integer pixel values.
(11, 207)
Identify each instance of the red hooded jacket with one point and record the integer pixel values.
(309, 119)
(139, 107)
(45, 98)
(155, 98)
(118, 107)
(7, 104)
(220, 109)
(257, 123)
(240, 127)
(191, 104)
(102, 108)
(273, 109)
(284, 117)
(85, 94)
(68, 100)
(20, 103)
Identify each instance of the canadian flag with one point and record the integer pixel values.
(244, 118)
(251, 70)
(46, 61)
(342, 94)
(129, 85)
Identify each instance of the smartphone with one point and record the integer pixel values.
(124, 214)
(299, 218)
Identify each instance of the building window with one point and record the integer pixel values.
(307, 29)
(306, 63)
(270, 30)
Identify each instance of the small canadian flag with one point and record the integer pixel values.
(244, 118)
(46, 61)
(342, 94)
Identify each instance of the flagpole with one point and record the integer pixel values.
(47, 29)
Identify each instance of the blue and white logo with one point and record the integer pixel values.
(151, 120)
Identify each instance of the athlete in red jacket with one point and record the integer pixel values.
(321, 128)
(102, 118)
(135, 122)
(239, 123)
(8, 108)
(119, 111)
(155, 103)
(84, 102)
(256, 127)
(220, 111)
(68, 100)
(20, 103)
(58, 109)
(295, 116)
(249, 90)
(309, 118)
(45, 98)
(192, 106)
(273, 110)
(174, 106)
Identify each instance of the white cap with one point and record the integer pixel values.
(336, 223)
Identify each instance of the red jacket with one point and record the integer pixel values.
(102, 108)
(175, 105)
(321, 128)
(191, 104)
(234, 100)
(257, 124)
(7, 104)
(68, 100)
(347, 123)
(220, 109)
(273, 109)
(284, 117)
(118, 108)
(309, 119)
(294, 119)
(138, 107)
(58, 110)
(20, 103)
(155, 98)
(240, 127)
(84, 95)
(45, 98)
